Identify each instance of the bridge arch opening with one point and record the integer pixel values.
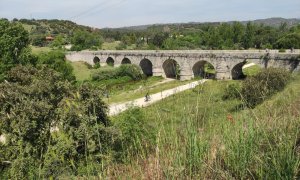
(110, 61)
(96, 60)
(147, 67)
(171, 69)
(126, 61)
(204, 69)
(244, 69)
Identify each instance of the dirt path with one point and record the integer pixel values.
(117, 108)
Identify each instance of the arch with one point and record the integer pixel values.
(237, 71)
(147, 67)
(126, 61)
(204, 69)
(171, 69)
(96, 60)
(244, 69)
(110, 61)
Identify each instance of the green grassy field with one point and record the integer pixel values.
(37, 50)
(81, 71)
(139, 89)
(252, 70)
(201, 136)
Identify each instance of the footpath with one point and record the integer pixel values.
(117, 108)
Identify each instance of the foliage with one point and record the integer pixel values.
(35, 102)
(56, 60)
(130, 70)
(256, 89)
(289, 41)
(84, 40)
(14, 41)
(136, 133)
(232, 91)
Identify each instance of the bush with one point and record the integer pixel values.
(257, 88)
(232, 91)
(97, 66)
(129, 70)
(56, 60)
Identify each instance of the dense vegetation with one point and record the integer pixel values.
(232, 35)
(201, 136)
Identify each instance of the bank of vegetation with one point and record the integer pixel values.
(283, 34)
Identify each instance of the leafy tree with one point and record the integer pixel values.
(86, 40)
(58, 41)
(34, 102)
(248, 38)
(56, 60)
(14, 41)
(289, 41)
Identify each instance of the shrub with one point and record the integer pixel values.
(232, 91)
(257, 88)
(129, 70)
(97, 66)
(56, 60)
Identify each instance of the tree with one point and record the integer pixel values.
(14, 41)
(33, 102)
(248, 38)
(56, 60)
(86, 40)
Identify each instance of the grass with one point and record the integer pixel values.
(252, 70)
(200, 136)
(81, 71)
(110, 45)
(139, 89)
(37, 50)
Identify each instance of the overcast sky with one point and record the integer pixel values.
(119, 13)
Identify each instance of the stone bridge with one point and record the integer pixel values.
(191, 63)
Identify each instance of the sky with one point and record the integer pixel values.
(120, 13)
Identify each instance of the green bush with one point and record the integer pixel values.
(56, 60)
(232, 91)
(129, 70)
(97, 66)
(257, 88)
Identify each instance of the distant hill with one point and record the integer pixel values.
(274, 22)
(51, 27)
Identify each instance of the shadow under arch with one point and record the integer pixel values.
(96, 60)
(126, 61)
(204, 69)
(244, 69)
(110, 61)
(147, 67)
(237, 71)
(171, 69)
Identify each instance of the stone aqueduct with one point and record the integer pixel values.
(188, 64)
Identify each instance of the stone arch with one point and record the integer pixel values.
(204, 69)
(244, 69)
(96, 60)
(171, 69)
(126, 61)
(237, 71)
(147, 67)
(110, 61)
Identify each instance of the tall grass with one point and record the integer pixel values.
(201, 136)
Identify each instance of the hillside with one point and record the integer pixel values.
(273, 22)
